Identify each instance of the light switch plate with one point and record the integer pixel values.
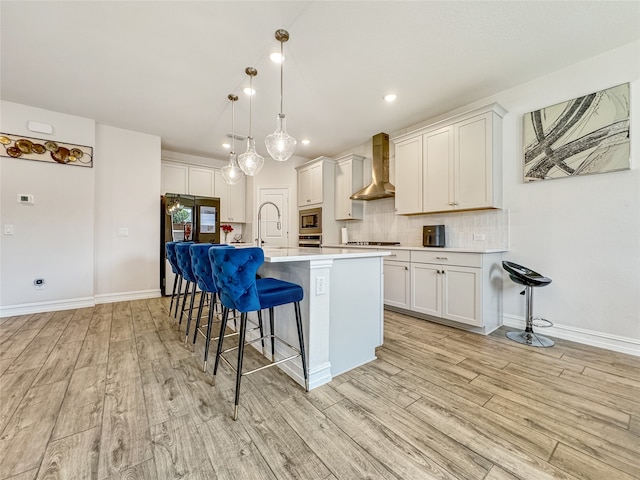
(123, 232)
(8, 229)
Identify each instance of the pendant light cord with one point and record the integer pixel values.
(281, 75)
(250, 97)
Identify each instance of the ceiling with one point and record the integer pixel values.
(166, 68)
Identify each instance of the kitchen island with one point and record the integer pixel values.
(342, 309)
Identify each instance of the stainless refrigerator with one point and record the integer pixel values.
(186, 218)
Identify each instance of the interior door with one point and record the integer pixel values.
(271, 234)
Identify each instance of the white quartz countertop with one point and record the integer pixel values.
(296, 254)
(418, 248)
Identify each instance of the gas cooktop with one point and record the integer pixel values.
(379, 244)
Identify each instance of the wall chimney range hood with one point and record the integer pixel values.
(379, 186)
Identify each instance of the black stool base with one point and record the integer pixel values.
(530, 338)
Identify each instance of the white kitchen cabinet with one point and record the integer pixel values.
(174, 178)
(409, 175)
(452, 165)
(348, 180)
(232, 199)
(397, 279)
(447, 285)
(310, 183)
(201, 181)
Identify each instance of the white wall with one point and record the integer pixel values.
(583, 232)
(127, 196)
(53, 239)
(69, 236)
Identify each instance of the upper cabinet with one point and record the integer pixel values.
(348, 180)
(453, 165)
(174, 178)
(315, 182)
(206, 182)
(201, 181)
(232, 198)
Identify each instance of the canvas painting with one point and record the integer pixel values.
(588, 134)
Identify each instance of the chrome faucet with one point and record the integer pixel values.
(259, 240)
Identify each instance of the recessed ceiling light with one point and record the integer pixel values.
(276, 57)
(226, 145)
(249, 91)
(390, 97)
(305, 141)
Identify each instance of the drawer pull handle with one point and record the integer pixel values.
(442, 258)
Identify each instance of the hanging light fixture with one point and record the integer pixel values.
(232, 172)
(280, 144)
(250, 162)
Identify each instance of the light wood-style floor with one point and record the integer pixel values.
(112, 392)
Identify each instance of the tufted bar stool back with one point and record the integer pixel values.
(235, 273)
(170, 249)
(183, 255)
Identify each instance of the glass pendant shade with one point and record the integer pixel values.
(280, 144)
(231, 172)
(250, 162)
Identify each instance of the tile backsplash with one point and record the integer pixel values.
(380, 223)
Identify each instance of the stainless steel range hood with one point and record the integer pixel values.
(379, 186)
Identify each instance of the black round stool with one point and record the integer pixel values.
(527, 277)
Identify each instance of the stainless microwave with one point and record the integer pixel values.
(310, 221)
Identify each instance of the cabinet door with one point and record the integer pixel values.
(409, 176)
(462, 294)
(304, 187)
(316, 183)
(221, 190)
(473, 162)
(437, 170)
(236, 202)
(201, 181)
(397, 280)
(174, 178)
(426, 295)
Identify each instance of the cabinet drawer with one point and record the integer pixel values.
(397, 255)
(447, 258)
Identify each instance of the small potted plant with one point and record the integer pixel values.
(227, 229)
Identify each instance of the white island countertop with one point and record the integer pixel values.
(297, 254)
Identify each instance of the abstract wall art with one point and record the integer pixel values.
(589, 134)
(28, 148)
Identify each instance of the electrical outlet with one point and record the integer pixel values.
(321, 285)
(8, 229)
(123, 232)
(478, 237)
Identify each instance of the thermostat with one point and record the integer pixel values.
(25, 198)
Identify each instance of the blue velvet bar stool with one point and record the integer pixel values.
(235, 274)
(170, 249)
(202, 270)
(183, 254)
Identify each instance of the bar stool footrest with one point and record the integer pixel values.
(541, 322)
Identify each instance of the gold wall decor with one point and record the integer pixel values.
(51, 151)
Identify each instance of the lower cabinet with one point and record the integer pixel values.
(397, 284)
(451, 292)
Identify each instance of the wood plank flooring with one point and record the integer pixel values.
(112, 392)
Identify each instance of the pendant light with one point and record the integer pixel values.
(280, 144)
(232, 172)
(250, 162)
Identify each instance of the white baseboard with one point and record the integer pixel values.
(52, 306)
(627, 345)
(127, 296)
(73, 303)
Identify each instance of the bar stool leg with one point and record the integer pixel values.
(243, 331)
(528, 336)
(207, 341)
(173, 293)
(223, 328)
(175, 314)
(261, 329)
(184, 302)
(301, 340)
(273, 335)
(200, 305)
